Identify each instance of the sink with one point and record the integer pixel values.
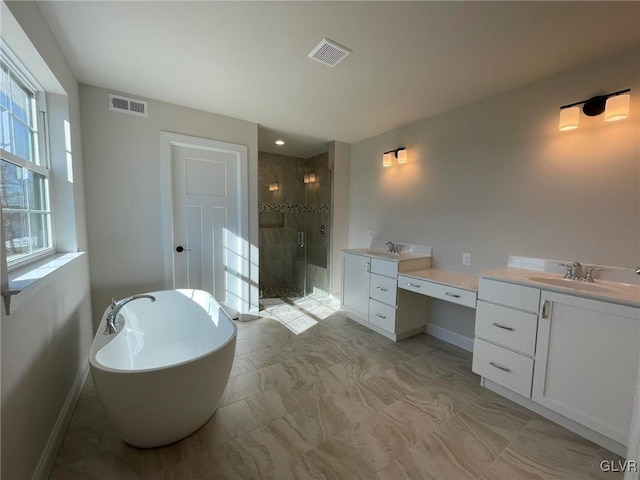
(572, 284)
(378, 253)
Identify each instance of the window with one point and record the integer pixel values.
(24, 169)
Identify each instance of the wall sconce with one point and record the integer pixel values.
(274, 187)
(310, 178)
(614, 105)
(400, 154)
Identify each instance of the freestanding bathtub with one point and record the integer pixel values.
(162, 375)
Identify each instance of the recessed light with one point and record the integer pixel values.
(279, 142)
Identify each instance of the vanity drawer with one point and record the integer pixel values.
(383, 316)
(383, 289)
(388, 268)
(507, 327)
(504, 367)
(438, 290)
(509, 294)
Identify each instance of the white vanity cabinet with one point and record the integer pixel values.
(506, 323)
(370, 295)
(369, 288)
(570, 358)
(587, 358)
(355, 284)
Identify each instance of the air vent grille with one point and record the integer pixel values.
(131, 106)
(329, 52)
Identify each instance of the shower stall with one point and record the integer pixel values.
(294, 205)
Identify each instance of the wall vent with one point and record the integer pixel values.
(329, 52)
(118, 103)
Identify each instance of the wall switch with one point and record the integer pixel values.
(466, 259)
(370, 233)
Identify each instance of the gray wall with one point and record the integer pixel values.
(339, 165)
(497, 177)
(122, 164)
(45, 343)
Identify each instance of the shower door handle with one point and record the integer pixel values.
(301, 238)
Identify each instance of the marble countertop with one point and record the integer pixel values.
(616, 292)
(465, 281)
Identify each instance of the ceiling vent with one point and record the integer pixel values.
(329, 52)
(118, 103)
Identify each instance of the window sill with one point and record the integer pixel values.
(32, 278)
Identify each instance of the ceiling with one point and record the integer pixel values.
(410, 60)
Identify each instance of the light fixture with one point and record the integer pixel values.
(280, 142)
(274, 187)
(310, 178)
(615, 105)
(400, 154)
(569, 118)
(617, 108)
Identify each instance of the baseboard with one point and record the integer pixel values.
(246, 317)
(450, 336)
(50, 452)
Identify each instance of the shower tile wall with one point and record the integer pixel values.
(282, 214)
(318, 200)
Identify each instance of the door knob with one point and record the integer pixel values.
(181, 249)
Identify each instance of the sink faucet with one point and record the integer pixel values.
(393, 247)
(112, 316)
(577, 270)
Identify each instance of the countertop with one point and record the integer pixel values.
(465, 281)
(615, 292)
(397, 257)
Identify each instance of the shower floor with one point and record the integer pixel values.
(284, 291)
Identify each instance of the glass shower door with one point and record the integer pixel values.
(313, 241)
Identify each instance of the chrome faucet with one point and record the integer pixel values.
(577, 271)
(574, 272)
(112, 316)
(393, 247)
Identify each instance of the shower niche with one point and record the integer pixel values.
(294, 209)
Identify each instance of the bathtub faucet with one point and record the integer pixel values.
(112, 316)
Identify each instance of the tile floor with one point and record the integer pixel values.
(314, 395)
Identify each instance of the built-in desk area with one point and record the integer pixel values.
(447, 285)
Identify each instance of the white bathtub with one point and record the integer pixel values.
(162, 375)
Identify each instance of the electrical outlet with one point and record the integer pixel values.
(466, 259)
(370, 233)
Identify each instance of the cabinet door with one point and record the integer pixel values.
(355, 285)
(586, 362)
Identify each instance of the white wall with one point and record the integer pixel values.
(45, 342)
(122, 167)
(497, 177)
(339, 161)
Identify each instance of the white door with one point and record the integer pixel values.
(207, 247)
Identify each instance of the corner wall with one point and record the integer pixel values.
(497, 177)
(122, 173)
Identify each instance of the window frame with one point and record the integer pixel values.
(41, 153)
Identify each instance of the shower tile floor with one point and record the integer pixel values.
(315, 395)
